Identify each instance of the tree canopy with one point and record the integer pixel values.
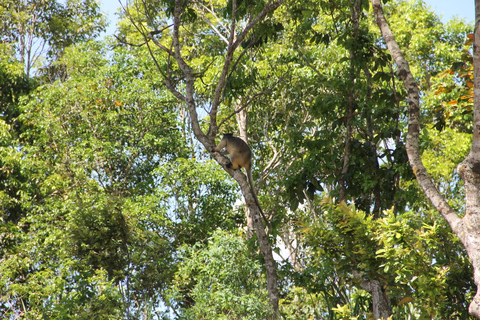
(362, 120)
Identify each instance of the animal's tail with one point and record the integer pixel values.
(250, 179)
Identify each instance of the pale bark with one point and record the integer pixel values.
(380, 301)
(242, 122)
(187, 95)
(469, 170)
(381, 307)
(468, 228)
(413, 134)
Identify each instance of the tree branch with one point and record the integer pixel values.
(189, 79)
(412, 145)
(207, 21)
(233, 45)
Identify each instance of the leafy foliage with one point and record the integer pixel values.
(110, 210)
(44, 29)
(219, 280)
(415, 256)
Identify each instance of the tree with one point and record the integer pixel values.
(108, 192)
(227, 283)
(13, 85)
(312, 99)
(233, 25)
(466, 228)
(92, 143)
(45, 28)
(114, 207)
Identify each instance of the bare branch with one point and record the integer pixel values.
(269, 7)
(207, 21)
(150, 36)
(189, 79)
(124, 41)
(233, 45)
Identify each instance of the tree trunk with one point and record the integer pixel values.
(208, 141)
(380, 300)
(255, 222)
(241, 117)
(467, 229)
(469, 170)
(349, 112)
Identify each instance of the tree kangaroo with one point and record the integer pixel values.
(240, 156)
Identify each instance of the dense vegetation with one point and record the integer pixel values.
(112, 207)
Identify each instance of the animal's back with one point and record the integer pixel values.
(240, 153)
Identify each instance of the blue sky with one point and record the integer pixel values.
(451, 8)
(445, 8)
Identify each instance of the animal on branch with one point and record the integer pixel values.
(240, 157)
